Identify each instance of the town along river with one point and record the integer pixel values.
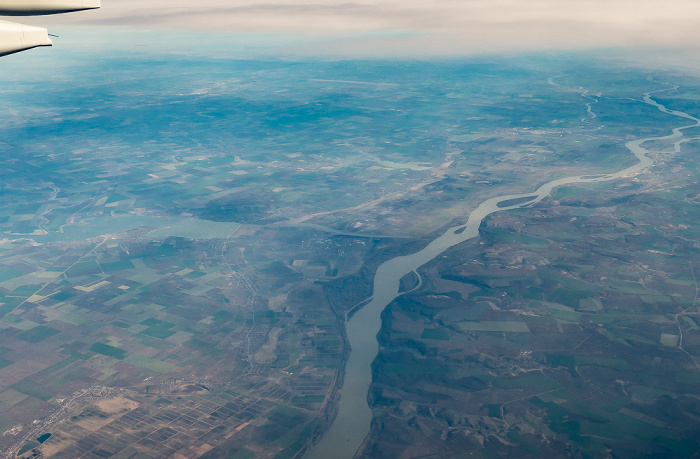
(352, 423)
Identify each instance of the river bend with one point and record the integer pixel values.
(352, 423)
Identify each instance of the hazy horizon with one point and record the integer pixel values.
(396, 28)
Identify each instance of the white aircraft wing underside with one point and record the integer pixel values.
(41, 7)
(16, 37)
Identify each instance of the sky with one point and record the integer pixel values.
(436, 27)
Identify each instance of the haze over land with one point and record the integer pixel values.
(194, 198)
(429, 28)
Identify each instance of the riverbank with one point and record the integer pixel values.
(353, 422)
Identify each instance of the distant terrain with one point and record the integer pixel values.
(182, 237)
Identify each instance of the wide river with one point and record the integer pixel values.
(352, 423)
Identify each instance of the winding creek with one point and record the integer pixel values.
(352, 423)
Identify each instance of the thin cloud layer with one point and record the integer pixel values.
(411, 26)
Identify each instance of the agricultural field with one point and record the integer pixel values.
(568, 329)
(179, 250)
(153, 347)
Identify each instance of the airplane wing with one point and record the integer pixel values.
(19, 37)
(41, 7)
(16, 37)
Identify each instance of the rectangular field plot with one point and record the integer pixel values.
(489, 326)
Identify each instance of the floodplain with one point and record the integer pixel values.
(176, 282)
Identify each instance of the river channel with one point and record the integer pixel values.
(352, 423)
